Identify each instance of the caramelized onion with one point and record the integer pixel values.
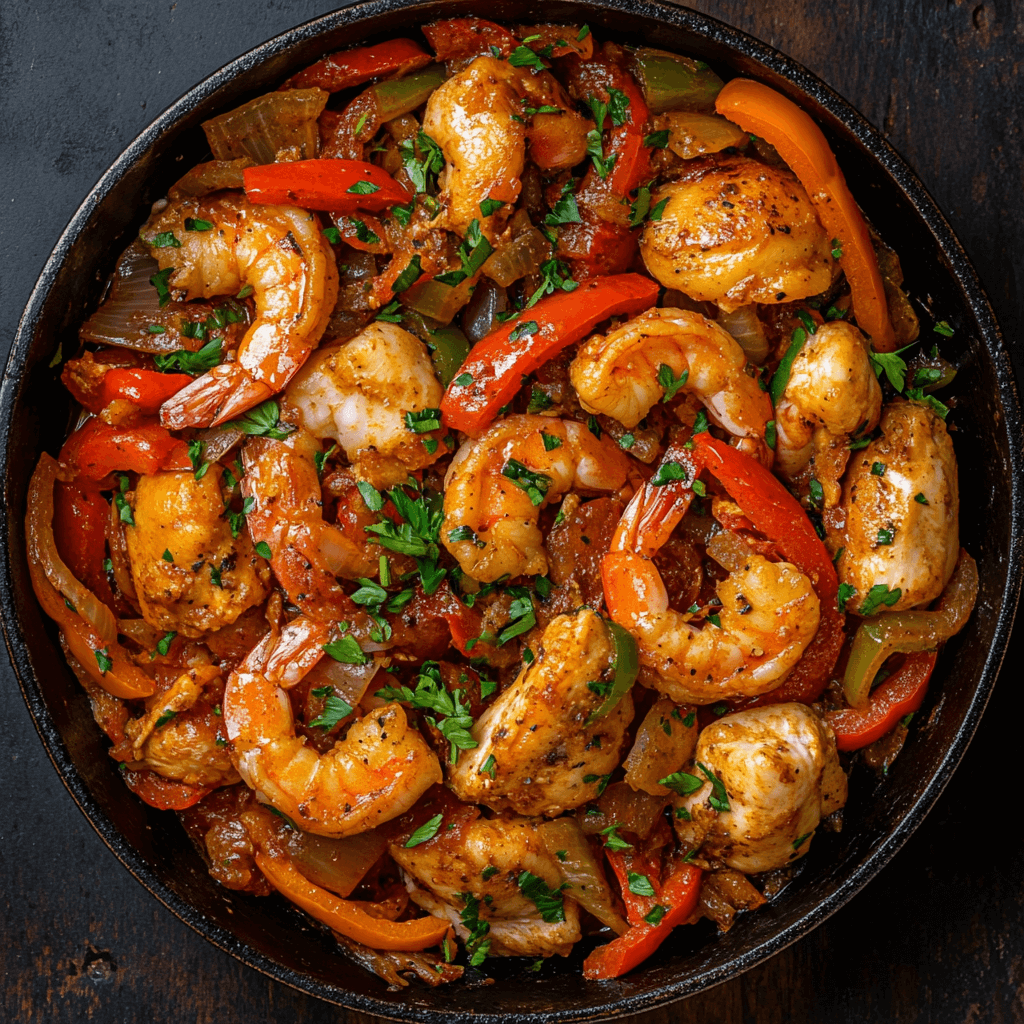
(337, 864)
(133, 308)
(691, 135)
(276, 127)
(439, 301)
(119, 563)
(212, 176)
(520, 257)
(480, 316)
(43, 550)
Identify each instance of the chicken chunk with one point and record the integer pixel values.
(536, 752)
(735, 231)
(901, 509)
(190, 574)
(484, 862)
(781, 774)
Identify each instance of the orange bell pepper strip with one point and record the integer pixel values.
(163, 794)
(897, 696)
(778, 515)
(148, 389)
(678, 895)
(341, 186)
(347, 68)
(762, 111)
(97, 449)
(494, 371)
(346, 917)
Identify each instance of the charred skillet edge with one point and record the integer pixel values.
(777, 69)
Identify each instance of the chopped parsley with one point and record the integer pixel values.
(193, 363)
(669, 382)
(261, 421)
(425, 832)
(535, 484)
(640, 885)
(335, 709)
(549, 902)
(878, 595)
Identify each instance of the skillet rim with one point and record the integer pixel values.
(904, 179)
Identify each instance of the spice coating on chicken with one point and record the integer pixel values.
(781, 774)
(485, 861)
(537, 754)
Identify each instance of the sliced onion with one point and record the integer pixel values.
(217, 442)
(43, 550)
(212, 176)
(744, 326)
(480, 316)
(518, 258)
(663, 745)
(133, 307)
(276, 127)
(119, 563)
(337, 864)
(350, 682)
(580, 868)
(691, 135)
(620, 805)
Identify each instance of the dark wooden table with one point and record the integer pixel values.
(937, 937)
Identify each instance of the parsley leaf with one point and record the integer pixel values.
(682, 783)
(425, 832)
(879, 594)
(640, 885)
(362, 188)
(477, 945)
(535, 484)
(422, 169)
(423, 421)
(549, 902)
(669, 382)
(262, 421)
(346, 649)
(846, 591)
(719, 799)
(335, 709)
(193, 363)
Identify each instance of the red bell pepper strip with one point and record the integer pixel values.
(778, 515)
(346, 68)
(462, 37)
(163, 794)
(679, 895)
(758, 109)
(494, 371)
(97, 449)
(148, 389)
(634, 862)
(597, 247)
(80, 518)
(342, 186)
(897, 696)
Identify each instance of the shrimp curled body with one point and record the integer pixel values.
(281, 254)
(769, 614)
(497, 484)
(378, 770)
(617, 375)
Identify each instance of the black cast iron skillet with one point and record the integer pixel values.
(266, 933)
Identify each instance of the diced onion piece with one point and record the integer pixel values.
(520, 257)
(692, 134)
(744, 326)
(276, 127)
(438, 301)
(663, 745)
(337, 864)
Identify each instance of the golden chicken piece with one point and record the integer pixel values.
(178, 736)
(735, 231)
(536, 752)
(781, 775)
(210, 577)
(493, 867)
(901, 508)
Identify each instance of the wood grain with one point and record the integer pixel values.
(937, 937)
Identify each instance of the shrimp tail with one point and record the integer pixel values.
(224, 393)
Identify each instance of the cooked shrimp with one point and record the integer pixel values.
(484, 861)
(901, 508)
(769, 612)
(736, 231)
(280, 253)
(498, 483)
(617, 374)
(307, 554)
(190, 574)
(781, 775)
(360, 393)
(179, 736)
(831, 388)
(536, 743)
(378, 770)
(472, 117)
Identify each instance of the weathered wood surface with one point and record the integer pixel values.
(937, 937)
